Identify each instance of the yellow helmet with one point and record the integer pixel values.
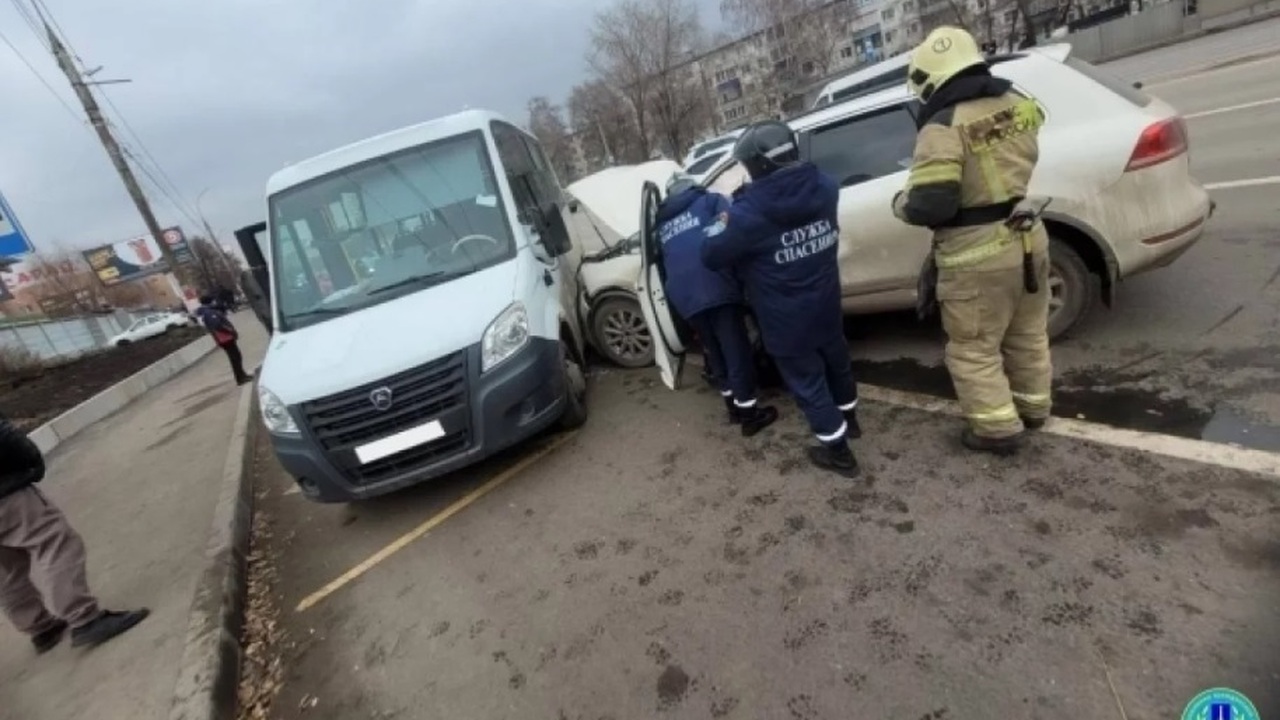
(943, 54)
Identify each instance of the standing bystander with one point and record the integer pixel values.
(36, 537)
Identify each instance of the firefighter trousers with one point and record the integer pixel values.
(998, 346)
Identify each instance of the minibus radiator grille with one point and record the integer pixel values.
(349, 418)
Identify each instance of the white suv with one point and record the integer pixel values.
(1113, 159)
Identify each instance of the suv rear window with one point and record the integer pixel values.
(1111, 82)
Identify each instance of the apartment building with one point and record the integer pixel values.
(900, 20)
(767, 74)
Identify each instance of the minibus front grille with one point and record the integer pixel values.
(350, 418)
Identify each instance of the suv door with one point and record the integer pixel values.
(668, 348)
(869, 155)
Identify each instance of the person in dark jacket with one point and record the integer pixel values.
(781, 236)
(36, 539)
(215, 320)
(710, 301)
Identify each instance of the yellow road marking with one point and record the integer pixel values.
(403, 541)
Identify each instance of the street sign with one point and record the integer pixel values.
(13, 240)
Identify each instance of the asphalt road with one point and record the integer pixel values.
(1192, 349)
(658, 564)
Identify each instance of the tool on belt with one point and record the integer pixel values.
(1022, 221)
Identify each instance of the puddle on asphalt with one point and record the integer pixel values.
(1090, 396)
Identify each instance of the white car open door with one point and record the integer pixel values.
(668, 349)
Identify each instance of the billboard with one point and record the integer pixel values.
(13, 240)
(136, 258)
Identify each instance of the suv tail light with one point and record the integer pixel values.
(1161, 141)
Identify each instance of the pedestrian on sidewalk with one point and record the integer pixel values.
(35, 536)
(215, 320)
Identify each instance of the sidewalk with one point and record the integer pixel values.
(141, 488)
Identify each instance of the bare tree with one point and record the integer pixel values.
(618, 57)
(218, 269)
(962, 15)
(546, 122)
(64, 284)
(603, 126)
(641, 49)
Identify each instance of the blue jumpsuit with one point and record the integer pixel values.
(781, 236)
(710, 301)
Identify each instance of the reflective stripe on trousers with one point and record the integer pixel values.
(976, 254)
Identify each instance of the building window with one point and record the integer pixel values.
(735, 113)
(908, 6)
(729, 91)
(915, 27)
(808, 67)
(776, 32)
(887, 14)
(846, 52)
(888, 36)
(724, 76)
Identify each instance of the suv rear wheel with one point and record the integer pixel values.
(1072, 288)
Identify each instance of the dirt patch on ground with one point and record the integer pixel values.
(32, 401)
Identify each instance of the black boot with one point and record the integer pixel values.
(735, 415)
(1032, 423)
(49, 639)
(756, 418)
(106, 626)
(1004, 446)
(836, 457)
(851, 417)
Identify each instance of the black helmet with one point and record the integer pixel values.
(766, 147)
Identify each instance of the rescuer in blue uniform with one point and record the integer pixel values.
(710, 301)
(780, 235)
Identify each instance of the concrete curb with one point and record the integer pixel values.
(209, 672)
(72, 422)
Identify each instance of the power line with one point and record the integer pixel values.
(26, 15)
(137, 139)
(65, 105)
(185, 212)
(177, 199)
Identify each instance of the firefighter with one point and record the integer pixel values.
(780, 235)
(974, 155)
(710, 301)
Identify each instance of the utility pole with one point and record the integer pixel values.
(109, 143)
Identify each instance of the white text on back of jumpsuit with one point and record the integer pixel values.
(802, 242)
(677, 225)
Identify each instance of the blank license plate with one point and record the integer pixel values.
(401, 441)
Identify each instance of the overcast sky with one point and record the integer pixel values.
(225, 93)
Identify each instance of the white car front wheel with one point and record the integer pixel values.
(621, 333)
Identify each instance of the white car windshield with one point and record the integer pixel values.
(387, 227)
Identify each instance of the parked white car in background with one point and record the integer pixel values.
(709, 154)
(1112, 158)
(149, 326)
